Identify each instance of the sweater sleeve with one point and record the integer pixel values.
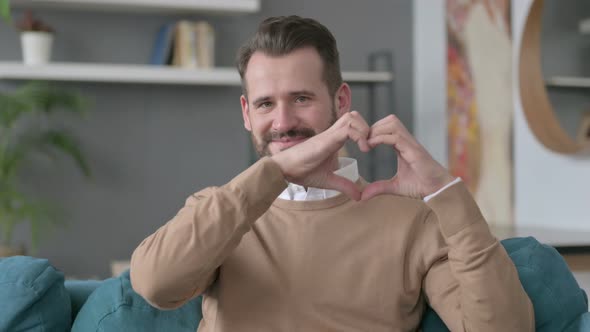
(180, 260)
(470, 280)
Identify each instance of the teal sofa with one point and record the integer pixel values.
(34, 297)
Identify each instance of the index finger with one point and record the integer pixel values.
(388, 124)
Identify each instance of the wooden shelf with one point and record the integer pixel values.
(568, 82)
(536, 105)
(146, 74)
(147, 6)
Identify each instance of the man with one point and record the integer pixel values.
(331, 253)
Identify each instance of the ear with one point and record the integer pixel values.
(245, 111)
(343, 99)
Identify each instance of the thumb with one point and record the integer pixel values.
(343, 185)
(379, 188)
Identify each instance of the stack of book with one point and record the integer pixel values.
(185, 44)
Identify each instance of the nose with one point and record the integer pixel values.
(285, 119)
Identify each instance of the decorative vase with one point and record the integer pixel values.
(11, 251)
(36, 46)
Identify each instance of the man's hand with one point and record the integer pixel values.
(418, 174)
(312, 163)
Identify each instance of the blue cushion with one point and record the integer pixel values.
(114, 306)
(557, 298)
(32, 296)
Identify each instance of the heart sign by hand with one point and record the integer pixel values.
(418, 174)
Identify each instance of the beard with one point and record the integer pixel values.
(261, 144)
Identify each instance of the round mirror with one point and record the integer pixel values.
(554, 75)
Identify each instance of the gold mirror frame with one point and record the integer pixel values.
(535, 102)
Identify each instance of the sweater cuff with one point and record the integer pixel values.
(431, 196)
(259, 185)
(455, 209)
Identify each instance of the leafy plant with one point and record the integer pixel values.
(27, 23)
(5, 10)
(30, 23)
(26, 131)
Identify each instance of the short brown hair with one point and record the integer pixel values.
(282, 35)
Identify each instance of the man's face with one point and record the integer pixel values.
(288, 101)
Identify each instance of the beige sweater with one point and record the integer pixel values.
(266, 264)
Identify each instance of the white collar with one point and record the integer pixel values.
(348, 169)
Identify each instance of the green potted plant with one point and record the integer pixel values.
(36, 36)
(27, 132)
(36, 39)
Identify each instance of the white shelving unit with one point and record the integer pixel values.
(131, 73)
(147, 74)
(119, 73)
(147, 6)
(568, 82)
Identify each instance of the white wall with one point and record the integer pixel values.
(551, 190)
(430, 97)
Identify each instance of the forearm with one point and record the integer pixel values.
(490, 295)
(179, 260)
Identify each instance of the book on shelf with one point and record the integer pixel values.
(163, 46)
(185, 44)
(205, 36)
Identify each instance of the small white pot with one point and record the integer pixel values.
(36, 46)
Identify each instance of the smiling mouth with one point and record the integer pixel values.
(285, 143)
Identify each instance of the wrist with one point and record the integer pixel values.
(279, 159)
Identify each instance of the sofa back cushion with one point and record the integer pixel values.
(114, 306)
(32, 296)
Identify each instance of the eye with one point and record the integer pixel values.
(265, 104)
(301, 99)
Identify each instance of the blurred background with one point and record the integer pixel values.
(162, 121)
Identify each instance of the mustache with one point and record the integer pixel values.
(293, 133)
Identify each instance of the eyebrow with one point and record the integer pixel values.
(302, 92)
(260, 100)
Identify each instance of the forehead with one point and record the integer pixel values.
(301, 69)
